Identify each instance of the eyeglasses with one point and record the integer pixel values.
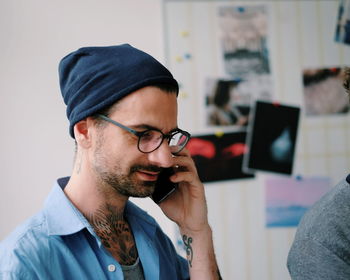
(151, 139)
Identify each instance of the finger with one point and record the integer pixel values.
(184, 152)
(180, 168)
(183, 155)
(188, 186)
(184, 163)
(185, 176)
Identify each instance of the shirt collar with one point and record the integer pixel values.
(139, 218)
(62, 217)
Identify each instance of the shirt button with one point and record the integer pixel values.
(111, 267)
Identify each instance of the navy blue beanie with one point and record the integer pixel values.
(94, 78)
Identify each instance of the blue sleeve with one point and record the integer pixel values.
(14, 265)
(183, 267)
(170, 262)
(14, 276)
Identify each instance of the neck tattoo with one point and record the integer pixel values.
(115, 233)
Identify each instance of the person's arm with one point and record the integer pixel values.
(200, 254)
(187, 207)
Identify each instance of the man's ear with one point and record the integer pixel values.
(82, 132)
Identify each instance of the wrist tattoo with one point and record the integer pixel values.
(189, 251)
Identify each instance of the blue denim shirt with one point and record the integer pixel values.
(59, 243)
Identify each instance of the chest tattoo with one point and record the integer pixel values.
(115, 234)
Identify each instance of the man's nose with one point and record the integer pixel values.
(162, 157)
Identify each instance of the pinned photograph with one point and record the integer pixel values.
(243, 37)
(287, 199)
(342, 31)
(225, 106)
(324, 93)
(219, 157)
(228, 101)
(271, 138)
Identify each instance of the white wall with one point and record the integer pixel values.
(35, 146)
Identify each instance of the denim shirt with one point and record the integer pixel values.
(59, 243)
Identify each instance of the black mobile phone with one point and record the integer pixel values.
(164, 187)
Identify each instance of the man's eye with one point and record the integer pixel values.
(149, 135)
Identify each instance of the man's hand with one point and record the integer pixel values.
(187, 207)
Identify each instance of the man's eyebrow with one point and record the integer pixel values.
(147, 127)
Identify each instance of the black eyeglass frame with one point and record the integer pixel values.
(139, 134)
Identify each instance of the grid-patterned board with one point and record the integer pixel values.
(323, 142)
(301, 35)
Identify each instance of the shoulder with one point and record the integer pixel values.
(24, 246)
(23, 233)
(329, 214)
(323, 236)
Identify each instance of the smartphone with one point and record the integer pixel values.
(164, 187)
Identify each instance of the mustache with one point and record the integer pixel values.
(152, 168)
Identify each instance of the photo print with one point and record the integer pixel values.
(228, 101)
(225, 105)
(243, 36)
(342, 31)
(324, 93)
(271, 138)
(287, 199)
(219, 157)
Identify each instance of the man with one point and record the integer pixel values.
(122, 109)
(321, 249)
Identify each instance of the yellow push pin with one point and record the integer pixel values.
(183, 94)
(219, 133)
(178, 58)
(184, 33)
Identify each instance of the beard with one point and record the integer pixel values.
(113, 178)
(127, 184)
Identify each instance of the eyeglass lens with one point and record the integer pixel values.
(152, 139)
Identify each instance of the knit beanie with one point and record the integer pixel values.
(93, 78)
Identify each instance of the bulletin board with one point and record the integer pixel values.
(277, 53)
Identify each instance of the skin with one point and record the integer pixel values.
(106, 175)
